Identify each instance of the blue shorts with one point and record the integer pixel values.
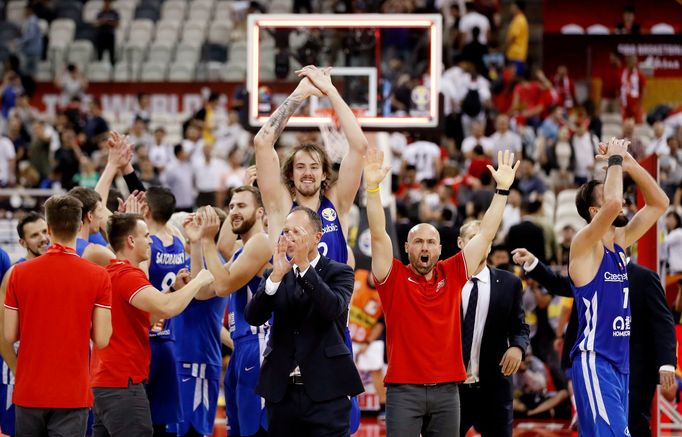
(6, 409)
(244, 408)
(199, 390)
(601, 396)
(163, 388)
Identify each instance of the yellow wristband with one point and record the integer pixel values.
(373, 190)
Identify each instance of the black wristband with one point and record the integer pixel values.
(172, 289)
(502, 192)
(615, 160)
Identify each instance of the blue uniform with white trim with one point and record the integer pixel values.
(199, 363)
(7, 424)
(244, 408)
(602, 350)
(163, 387)
(333, 245)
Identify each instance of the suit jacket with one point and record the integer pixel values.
(310, 316)
(505, 326)
(652, 332)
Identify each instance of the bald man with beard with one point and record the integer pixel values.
(421, 300)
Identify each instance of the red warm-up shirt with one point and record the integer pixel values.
(55, 295)
(128, 355)
(423, 331)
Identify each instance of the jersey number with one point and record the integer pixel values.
(167, 281)
(626, 297)
(323, 248)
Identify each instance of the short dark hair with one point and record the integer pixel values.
(253, 190)
(64, 215)
(676, 216)
(31, 217)
(313, 218)
(312, 149)
(629, 8)
(161, 203)
(119, 226)
(112, 200)
(88, 198)
(177, 149)
(520, 4)
(584, 198)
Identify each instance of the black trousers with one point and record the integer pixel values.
(639, 410)
(106, 42)
(122, 412)
(32, 422)
(298, 415)
(488, 410)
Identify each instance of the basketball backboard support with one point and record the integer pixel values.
(364, 87)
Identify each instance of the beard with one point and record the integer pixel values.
(306, 190)
(422, 268)
(621, 221)
(245, 226)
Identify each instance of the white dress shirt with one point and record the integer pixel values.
(482, 305)
(271, 287)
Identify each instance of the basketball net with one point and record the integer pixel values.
(335, 142)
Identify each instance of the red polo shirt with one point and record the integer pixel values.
(128, 354)
(55, 295)
(423, 331)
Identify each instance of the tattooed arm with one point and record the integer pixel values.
(276, 198)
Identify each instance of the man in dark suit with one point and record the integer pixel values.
(498, 342)
(308, 372)
(652, 340)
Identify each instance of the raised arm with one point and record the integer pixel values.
(231, 277)
(382, 248)
(275, 196)
(476, 249)
(582, 254)
(119, 157)
(350, 172)
(655, 203)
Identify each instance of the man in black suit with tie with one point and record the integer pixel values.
(308, 372)
(495, 337)
(653, 344)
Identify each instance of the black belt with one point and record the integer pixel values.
(471, 385)
(296, 379)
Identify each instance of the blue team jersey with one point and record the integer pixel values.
(81, 244)
(333, 243)
(97, 238)
(164, 265)
(236, 323)
(604, 312)
(200, 324)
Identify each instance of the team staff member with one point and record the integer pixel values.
(422, 309)
(119, 370)
(32, 231)
(56, 315)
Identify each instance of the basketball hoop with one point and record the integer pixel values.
(335, 142)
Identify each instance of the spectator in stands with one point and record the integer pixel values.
(499, 258)
(549, 130)
(192, 143)
(107, 22)
(476, 138)
(138, 134)
(632, 84)
(479, 162)
(229, 135)
(671, 168)
(584, 144)
(67, 158)
(72, 83)
(659, 143)
(160, 151)
(25, 113)
(533, 398)
(564, 87)
(475, 52)
(637, 147)
(425, 156)
(10, 90)
(7, 163)
(96, 127)
(512, 214)
(474, 97)
(503, 138)
(628, 25)
(235, 172)
(409, 190)
(31, 43)
(15, 135)
(144, 108)
(179, 177)
(526, 234)
(529, 182)
(88, 175)
(567, 234)
(529, 100)
(209, 172)
(470, 20)
(537, 215)
(516, 45)
(39, 149)
(672, 244)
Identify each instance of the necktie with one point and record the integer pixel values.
(468, 323)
